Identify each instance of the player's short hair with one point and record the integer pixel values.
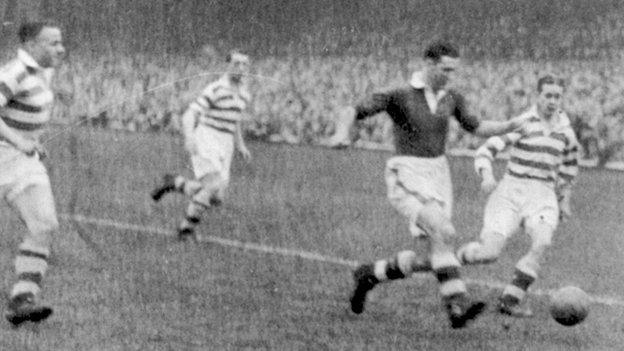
(30, 30)
(233, 54)
(549, 79)
(437, 49)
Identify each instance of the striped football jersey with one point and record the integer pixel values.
(541, 151)
(220, 106)
(25, 95)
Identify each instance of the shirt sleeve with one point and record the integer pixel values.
(10, 78)
(467, 121)
(373, 105)
(205, 101)
(568, 169)
(488, 151)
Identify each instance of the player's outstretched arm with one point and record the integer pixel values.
(487, 129)
(344, 121)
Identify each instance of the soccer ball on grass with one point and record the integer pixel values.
(569, 305)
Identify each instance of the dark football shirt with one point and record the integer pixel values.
(417, 131)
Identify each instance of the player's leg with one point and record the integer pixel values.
(433, 218)
(445, 265)
(175, 183)
(367, 276)
(181, 184)
(404, 263)
(35, 206)
(501, 219)
(209, 195)
(540, 227)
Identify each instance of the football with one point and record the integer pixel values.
(569, 305)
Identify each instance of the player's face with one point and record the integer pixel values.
(239, 66)
(48, 47)
(441, 72)
(549, 99)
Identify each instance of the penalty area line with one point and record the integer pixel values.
(312, 256)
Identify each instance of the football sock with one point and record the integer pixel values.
(30, 265)
(192, 216)
(401, 266)
(445, 267)
(516, 291)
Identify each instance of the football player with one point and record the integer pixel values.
(533, 194)
(212, 131)
(418, 177)
(25, 103)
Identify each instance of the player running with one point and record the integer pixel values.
(533, 194)
(25, 103)
(212, 130)
(418, 177)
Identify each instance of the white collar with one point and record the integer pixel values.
(27, 59)
(560, 120)
(418, 82)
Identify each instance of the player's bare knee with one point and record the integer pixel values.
(405, 261)
(493, 243)
(433, 219)
(540, 245)
(486, 250)
(541, 236)
(42, 236)
(43, 226)
(490, 254)
(210, 180)
(204, 197)
(477, 253)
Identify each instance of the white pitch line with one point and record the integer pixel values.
(214, 239)
(312, 256)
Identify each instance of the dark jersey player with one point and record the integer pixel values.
(418, 177)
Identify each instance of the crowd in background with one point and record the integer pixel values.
(296, 98)
(135, 65)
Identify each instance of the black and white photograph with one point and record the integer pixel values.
(312, 175)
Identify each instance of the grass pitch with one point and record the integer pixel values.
(119, 289)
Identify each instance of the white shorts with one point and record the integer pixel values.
(517, 203)
(214, 153)
(413, 181)
(19, 171)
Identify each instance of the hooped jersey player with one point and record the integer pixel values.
(547, 153)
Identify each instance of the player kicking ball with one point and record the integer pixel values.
(533, 194)
(418, 177)
(212, 131)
